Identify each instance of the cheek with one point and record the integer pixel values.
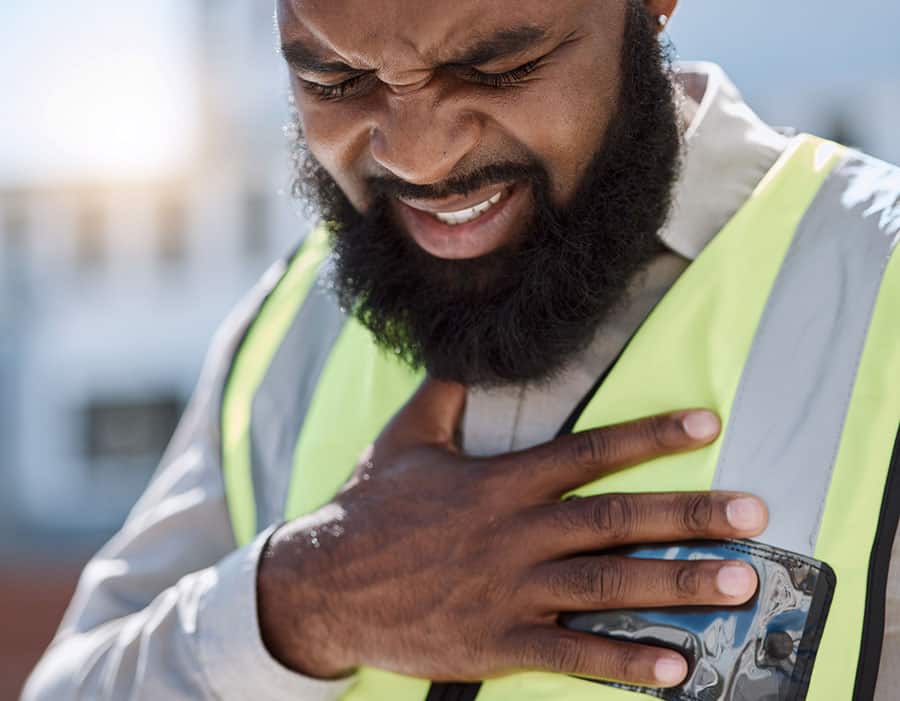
(564, 116)
(337, 137)
(562, 121)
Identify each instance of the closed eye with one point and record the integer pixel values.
(337, 91)
(510, 77)
(334, 91)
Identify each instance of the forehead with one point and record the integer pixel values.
(368, 31)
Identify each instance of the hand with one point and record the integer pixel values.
(436, 565)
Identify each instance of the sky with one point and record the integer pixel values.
(805, 44)
(94, 88)
(103, 88)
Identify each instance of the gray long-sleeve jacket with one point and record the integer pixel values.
(167, 609)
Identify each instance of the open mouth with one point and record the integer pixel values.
(466, 226)
(462, 216)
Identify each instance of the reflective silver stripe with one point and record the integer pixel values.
(792, 400)
(283, 398)
(224, 346)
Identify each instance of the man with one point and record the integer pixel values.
(524, 203)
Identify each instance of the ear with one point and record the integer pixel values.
(661, 8)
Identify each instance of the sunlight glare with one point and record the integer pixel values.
(117, 119)
(97, 90)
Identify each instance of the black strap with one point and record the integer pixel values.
(453, 691)
(876, 589)
(569, 424)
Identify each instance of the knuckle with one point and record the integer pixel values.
(575, 581)
(591, 581)
(608, 582)
(687, 581)
(567, 655)
(696, 514)
(613, 516)
(534, 652)
(590, 448)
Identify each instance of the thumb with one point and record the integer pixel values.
(430, 417)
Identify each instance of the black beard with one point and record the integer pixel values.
(518, 314)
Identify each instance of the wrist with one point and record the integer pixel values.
(294, 617)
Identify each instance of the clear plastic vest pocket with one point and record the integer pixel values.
(762, 651)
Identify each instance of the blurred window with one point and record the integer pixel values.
(130, 429)
(91, 235)
(256, 223)
(172, 235)
(14, 226)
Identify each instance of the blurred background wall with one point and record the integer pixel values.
(143, 181)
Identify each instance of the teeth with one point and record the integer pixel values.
(468, 214)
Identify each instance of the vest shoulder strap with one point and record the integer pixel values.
(250, 363)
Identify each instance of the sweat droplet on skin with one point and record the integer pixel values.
(323, 523)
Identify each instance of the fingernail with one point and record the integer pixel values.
(701, 425)
(745, 514)
(735, 581)
(669, 670)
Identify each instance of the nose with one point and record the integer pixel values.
(420, 140)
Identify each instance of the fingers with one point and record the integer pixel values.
(614, 520)
(602, 583)
(554, 649)
(569, 462)
(430, 417)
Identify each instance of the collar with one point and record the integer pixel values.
(728, 150)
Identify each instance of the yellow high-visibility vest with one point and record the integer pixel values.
(787, 325)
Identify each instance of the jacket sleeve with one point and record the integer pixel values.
(167, 609)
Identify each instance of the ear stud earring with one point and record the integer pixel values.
(663, 20)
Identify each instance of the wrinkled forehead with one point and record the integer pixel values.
(384, 32)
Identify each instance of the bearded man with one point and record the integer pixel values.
(550, 264)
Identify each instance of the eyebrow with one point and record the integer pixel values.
(503, 43)
(303, 58)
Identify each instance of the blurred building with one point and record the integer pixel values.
(110, 292)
